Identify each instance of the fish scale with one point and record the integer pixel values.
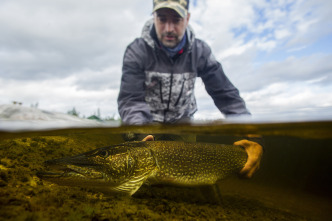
(195, 163)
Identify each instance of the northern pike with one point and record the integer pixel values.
(125, 167)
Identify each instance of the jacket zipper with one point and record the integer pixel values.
(161, 91)
(180, 95)
(170, 88)
(169, 96)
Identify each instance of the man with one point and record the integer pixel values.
(159, 72)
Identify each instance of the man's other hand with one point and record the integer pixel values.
(148, 138)
(255, 152)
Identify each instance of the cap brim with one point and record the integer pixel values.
(175, 6)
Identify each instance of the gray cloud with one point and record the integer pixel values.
(50, 39)
(109, 78)
(292, 70)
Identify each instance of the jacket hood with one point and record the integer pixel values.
(148, 38)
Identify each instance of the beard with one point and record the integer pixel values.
(170, 40)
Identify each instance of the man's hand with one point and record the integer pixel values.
(148, 138)
(255, 152)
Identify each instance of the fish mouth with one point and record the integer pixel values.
(75, 166)
(60, 173)
(60, 169)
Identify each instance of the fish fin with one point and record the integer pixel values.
(131, 186)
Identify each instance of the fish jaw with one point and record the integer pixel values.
(75, 171)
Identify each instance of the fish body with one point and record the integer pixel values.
(125, 167)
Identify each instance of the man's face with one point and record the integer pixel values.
(170, 26)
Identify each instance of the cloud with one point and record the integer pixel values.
(56, 38)
(99, 80)
(291, 70)
(262, 24)
(277, 101)
(60, 98)
(304, 99)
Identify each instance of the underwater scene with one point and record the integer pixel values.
(293, 183)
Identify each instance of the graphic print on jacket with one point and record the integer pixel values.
(170, 96)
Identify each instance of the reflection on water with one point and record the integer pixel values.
(293, 183)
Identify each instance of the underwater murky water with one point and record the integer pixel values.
(293, 183)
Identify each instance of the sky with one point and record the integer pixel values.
(62, 54)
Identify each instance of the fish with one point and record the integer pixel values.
(125, 167)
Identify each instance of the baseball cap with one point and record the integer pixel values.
(180, 6)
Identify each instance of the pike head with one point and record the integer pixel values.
(120, 168)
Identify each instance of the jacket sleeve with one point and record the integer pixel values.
(131, 100)
(224, 94)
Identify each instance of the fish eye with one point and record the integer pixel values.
(103, 153)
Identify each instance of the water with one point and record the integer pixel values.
(293, 183)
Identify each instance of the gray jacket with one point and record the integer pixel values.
(155, 87)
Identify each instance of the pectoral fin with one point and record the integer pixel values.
(131, 186)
